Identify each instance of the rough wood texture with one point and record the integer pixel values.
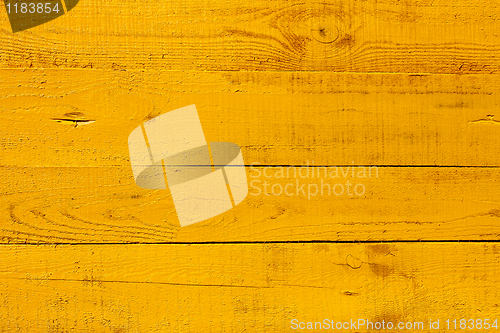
(242, 288)
(65, 140)
(103, 205)
(84, 117)
(410, 87)
(355, 36)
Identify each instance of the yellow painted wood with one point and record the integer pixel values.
(235, 288)
(336, 83)
(66, 175)
(357, 36)
(103, 204)
(277, 118)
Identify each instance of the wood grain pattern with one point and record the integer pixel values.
(67, 179)
(235, 288)
(410, 36)
(409, 87)
(103, 205)
(83, 118)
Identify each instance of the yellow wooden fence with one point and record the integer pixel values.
(409, 88)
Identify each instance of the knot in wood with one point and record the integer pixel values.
(324, 32)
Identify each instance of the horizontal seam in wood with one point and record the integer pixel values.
(264, 242)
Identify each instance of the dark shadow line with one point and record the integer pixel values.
(326, 166)
(97, 281)
(263, 242)
(274, 165)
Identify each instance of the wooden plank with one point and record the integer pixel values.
(103, 205)
(266, 76)
(277, 118)
(411, 36)
(66, 177)
(243, 287)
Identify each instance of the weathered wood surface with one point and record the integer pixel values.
(66, 176)
(84, 117)
(346, 36)
(410, 87)
(242, 288)
(103, 205)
